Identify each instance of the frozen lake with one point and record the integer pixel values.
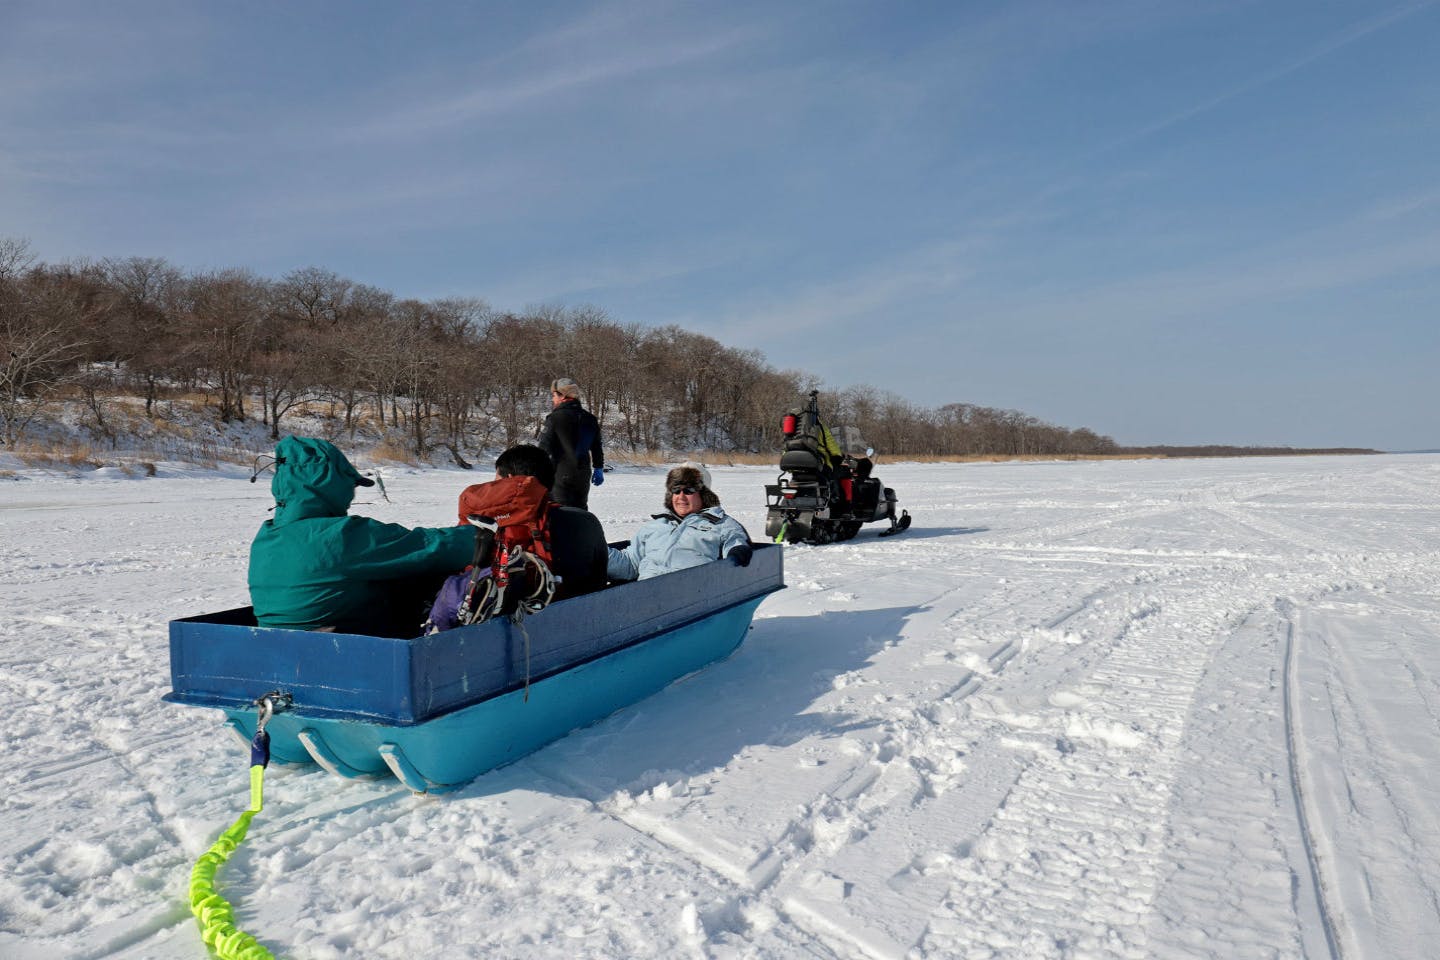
(1093, 709)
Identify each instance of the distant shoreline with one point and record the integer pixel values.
(1224, 450)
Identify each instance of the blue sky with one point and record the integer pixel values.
(1186, 222)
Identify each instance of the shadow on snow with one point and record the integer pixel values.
(760, 696)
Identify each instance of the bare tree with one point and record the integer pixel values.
(148, 292)
(351, 355)
(223, 312)
(298, 341)
(520, 351)
(43, 335)
(461, 369)
(593, 353)
(285, 369)
(646, 400)
(768, 396)
(314, 296)
(16, 259)
(448, 373)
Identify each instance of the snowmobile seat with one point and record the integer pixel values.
(802, 459)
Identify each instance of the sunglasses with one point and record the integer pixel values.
(676, 491)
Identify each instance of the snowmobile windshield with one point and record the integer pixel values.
(312, 479)
(850, 440)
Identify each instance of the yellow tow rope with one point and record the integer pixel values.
(213, 912)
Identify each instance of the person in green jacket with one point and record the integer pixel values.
(314, 567)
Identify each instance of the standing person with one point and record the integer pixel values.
(571, 436)
(694, 529)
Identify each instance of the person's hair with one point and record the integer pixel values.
(526, 460)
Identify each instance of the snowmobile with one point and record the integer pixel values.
(819, 499)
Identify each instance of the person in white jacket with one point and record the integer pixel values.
(693, 529)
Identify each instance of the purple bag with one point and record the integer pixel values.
(445, 611)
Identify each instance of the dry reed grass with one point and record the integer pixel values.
(390, 450)
(731, 459)
(1015, 457)
(57, 455)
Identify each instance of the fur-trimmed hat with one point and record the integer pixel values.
(691, 473)
(566, 388)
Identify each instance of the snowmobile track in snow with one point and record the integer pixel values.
(1294, 751)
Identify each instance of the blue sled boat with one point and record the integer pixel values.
(437, 711)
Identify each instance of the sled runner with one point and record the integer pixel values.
(437, 711)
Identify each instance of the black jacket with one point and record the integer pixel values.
(579, 553)
(571, 436)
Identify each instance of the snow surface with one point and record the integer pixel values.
(1095, 709)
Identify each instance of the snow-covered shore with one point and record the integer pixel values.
(1089, 709)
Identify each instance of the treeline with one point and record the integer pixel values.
(1219, 450)
(449, 374)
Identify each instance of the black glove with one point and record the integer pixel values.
(740, 554)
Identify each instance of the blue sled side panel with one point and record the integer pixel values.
(455, 748)
(457, 667)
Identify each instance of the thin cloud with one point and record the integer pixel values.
(879, 291)
(406, 201)
(1334, 260)
(1401, 207)
(534, 91)
(38, 57)
(1066, 183)
(937, 280)
(621, 271)
(1341, 40)
(110, 151)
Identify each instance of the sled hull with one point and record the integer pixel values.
(451, 750)
(225, 660)
(439, 710)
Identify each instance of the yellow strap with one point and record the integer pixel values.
(214, 913)
(257, 788)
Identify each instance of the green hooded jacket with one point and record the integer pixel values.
(313, 566)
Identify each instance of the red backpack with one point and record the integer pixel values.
(520, 507)
(510, 573)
